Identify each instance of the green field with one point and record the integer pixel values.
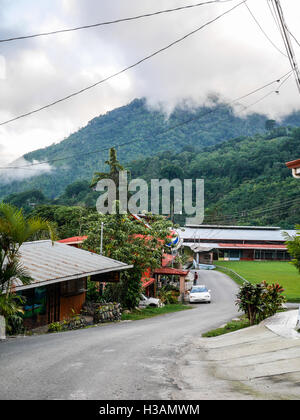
(280, 272)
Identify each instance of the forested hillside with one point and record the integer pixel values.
(246, 180)
(135, 121)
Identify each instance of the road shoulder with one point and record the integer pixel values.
(253, 363)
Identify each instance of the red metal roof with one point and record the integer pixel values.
(147, 281)
(169, 270)
(253, 246)
(73, 240)
(293, 164)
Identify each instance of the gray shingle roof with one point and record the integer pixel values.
(49, 262)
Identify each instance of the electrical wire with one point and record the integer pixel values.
(295, 39)
(273, 15)
(152, 135)
(123, 70)
(287, 42)
(94, 25)
(239, 216)
(262, 30)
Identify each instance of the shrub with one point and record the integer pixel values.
(272, 299)
(55, 327)
(259, 301)
(168, 296)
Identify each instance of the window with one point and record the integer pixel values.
(73, 287)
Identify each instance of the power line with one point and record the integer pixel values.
(122, 71)
(259, 100)
(295, 39)
(277, 91)
(262, 30)
(94, 25)
(243, 218)
(254, 212)
(287, 42)
(264, 97)
(273, 13)
(152, 135)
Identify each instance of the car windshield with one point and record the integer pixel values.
(199, 290)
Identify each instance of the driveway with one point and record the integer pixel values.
(127, 360)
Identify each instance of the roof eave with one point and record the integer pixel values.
(68, 278)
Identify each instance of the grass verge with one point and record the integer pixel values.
(229, 327)
(150, 312)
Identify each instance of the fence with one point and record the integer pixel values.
(235, 276)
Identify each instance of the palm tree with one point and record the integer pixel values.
(15, 229)
(115, 168)
(114, 175)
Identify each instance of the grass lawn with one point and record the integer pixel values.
(280, 272)
(150, 312)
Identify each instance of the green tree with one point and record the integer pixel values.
(270, 125)
(68, 220)
(129, 241)
(249, 300)
(293, 245)
(15, 229)
(259, 301)
(113, 174)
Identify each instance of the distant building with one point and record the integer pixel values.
(205, 243)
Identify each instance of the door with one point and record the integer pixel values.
(53, 303)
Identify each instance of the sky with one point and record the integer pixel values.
(230, 58)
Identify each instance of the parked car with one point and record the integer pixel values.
(151, 301)
(199, 294)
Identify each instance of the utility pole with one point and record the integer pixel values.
(101, 240)
(285, 33)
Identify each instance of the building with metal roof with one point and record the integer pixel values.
(59, 275)
(236, 242)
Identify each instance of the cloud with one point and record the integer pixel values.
(20, 172)
(230, 58)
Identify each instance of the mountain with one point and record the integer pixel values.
(246, 180)
(138, 126)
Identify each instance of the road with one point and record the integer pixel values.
(128, 360)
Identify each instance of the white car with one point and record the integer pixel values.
(145, 301)
(199, 294)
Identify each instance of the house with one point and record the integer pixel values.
(205, 243)
(161, 274)
(59, 279)
(294, 165)
(149, 280)
(152, 280)
(76, 241)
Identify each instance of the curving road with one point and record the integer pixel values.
(128, 360)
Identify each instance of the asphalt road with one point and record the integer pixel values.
(128, 360)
